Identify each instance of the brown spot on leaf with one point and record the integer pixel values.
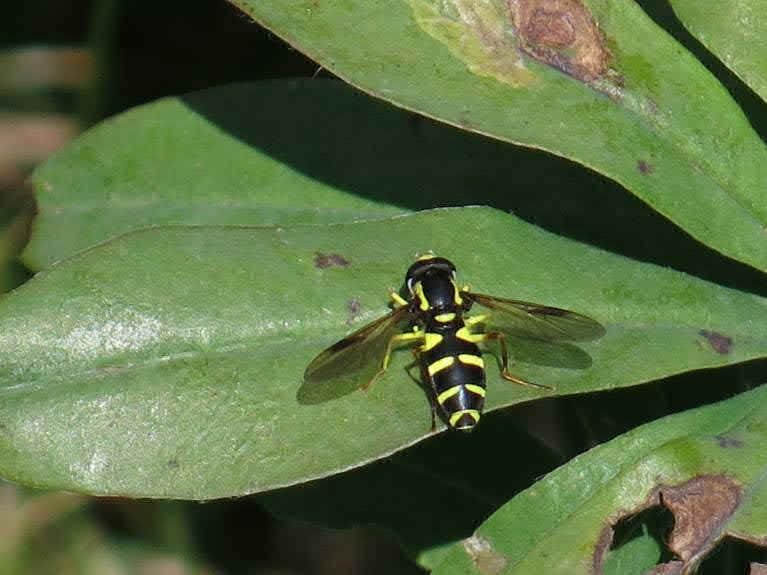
(562, 34)
(323, 261)
(728, 442)
(353, 307)
(701, 507)
(603, 546)
(644, 167)
(719, 342)
(486, 559)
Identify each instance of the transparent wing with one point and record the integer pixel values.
(532, 320)
(352, 362)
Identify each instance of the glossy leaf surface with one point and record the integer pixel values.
(167, 362)
(734, 31)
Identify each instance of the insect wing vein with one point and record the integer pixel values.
(532, 320)
(350, 363)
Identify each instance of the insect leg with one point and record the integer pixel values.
(505, 374)
(395, 341)
(398, 299)
(475, 319)
(428, 389)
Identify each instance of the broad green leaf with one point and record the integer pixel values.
(632, 105)
(706, 466)
(167, 362)
(734, 30)
(223, 156)
(305, 164)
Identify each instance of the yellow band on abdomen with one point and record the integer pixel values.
(447, 394)
(476, 389)
(469, 359)
(431, 340)
(458, 414)
(440, 364)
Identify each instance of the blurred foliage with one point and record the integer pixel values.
(139, 51)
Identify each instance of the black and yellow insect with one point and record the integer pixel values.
(447, 341)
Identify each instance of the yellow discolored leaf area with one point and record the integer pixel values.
(490, 37)
(478, 33)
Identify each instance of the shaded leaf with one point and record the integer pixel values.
(407, 492)
(280, 152)
(167, 362)
(705, 466)
(615, 93)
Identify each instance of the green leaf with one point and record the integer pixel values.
(286, 152)
(167, 362)
(705, 466)
(620, 96)
(16, 214)
(734, 30)
(213, 157)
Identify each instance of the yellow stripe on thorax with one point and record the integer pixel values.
(456, 294)
(458, 414)
(423, 303)
(440, 364)
(445, 317)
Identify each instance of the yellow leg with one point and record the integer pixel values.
(395, 341)
(398, 299)
(475, 319)
(505, 374)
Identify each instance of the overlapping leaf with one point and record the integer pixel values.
(734, 31)
(593, 81)
(705, 466)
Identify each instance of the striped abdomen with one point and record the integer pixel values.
(456, 372)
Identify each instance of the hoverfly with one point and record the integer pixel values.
(446, 341)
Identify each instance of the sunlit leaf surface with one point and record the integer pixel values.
(167, 362)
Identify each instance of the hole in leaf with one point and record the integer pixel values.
(639, 542)
(734, 556)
